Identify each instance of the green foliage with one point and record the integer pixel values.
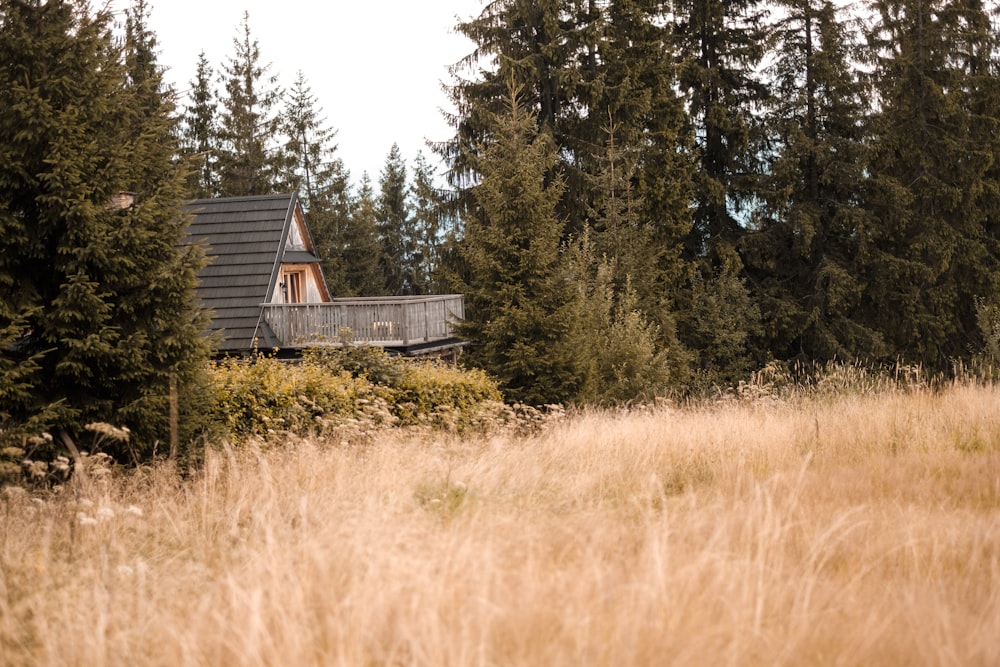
(988, 320)
(720, 44)
(629, 361)
(804, 254)
(265, 396)
(524, 313)
(428, 223)
(361, 361)
(418, 391)
(250, 161)
(631, 366)
(360, 250)
(97, 309)
(200, 133)
(321, 179)
(718, 324)
(346, 391)
(442, 396)
(396, 225)
(932, 178)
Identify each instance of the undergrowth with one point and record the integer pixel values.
(352, 391)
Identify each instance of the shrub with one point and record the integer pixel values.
(442, 396)
(265, 396)
(355, 388)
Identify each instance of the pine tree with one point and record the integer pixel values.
(395, 226)
(530, 44)
(200, 133)
(805, 255)
(318, 175)
(603, 80)
(250, 160)
(934, 147)
(524, 311)
(93, 284)
(625, 350)
(361, 249)
(140, 49)
(428, 211)
(721, 43)
(633, 148)
(524, 42)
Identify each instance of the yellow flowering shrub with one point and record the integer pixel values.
(266, 396)
(444, 396)
(351, 389)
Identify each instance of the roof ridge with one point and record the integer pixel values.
(285, 195)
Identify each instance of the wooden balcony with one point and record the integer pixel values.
(394, 322)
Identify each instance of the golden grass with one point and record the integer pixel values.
(861, 531)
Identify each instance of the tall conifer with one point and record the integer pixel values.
(361, 253)
(91, 273)
(934, 146)
(251, 161)
(200, 133)
(395, 225)
(427, 213)
(316, 172)
(524, 311)
(804, 253)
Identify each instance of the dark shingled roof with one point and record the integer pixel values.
(243, 236)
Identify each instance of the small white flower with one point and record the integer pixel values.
(86, 520)
(132, 509)
(105, 513)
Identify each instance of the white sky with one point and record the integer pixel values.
(375, 66)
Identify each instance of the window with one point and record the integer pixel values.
(293, 286)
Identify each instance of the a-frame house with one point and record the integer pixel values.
(265, 289)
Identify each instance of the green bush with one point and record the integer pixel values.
(264, 396)
(350, 389)
(442, 396)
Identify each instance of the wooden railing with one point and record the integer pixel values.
(384, 321)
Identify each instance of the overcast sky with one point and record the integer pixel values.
(375, 66)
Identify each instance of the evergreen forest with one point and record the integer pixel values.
(640, 198)
(643, 197)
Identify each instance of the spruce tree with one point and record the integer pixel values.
(633, 150)
(395, 226)
(805, 254)
(524, 312)
(97, 307)
(318, 175)
(200, 133)
(361, 250)
(251, 161)
(597, 73)
(529, 44)
(934, 146)
(720, 44)
(427, 214)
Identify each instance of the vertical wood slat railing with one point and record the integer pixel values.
(396, 321)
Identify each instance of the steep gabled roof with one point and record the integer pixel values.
(244, 236)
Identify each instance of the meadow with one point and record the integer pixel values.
(852, 530)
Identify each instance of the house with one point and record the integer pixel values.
(265, 289)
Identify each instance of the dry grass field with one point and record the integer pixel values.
(857, 531)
